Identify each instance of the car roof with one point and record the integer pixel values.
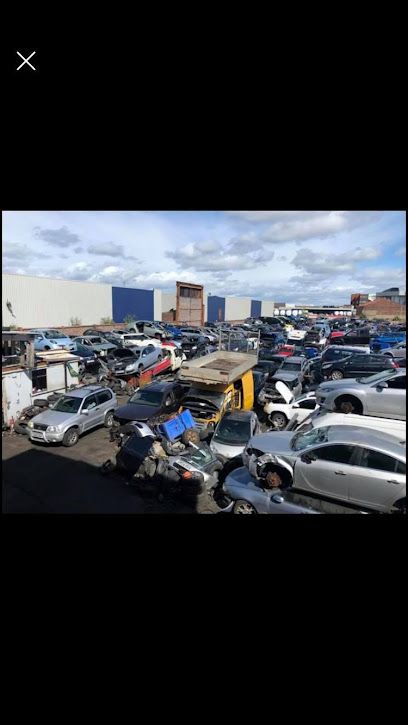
(238, 414)
(83, 392)
(294, 358)
(366, 436)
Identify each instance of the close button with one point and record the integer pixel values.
(26, 60)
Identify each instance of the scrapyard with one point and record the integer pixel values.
(278, 414)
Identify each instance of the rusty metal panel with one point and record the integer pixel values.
(190, 304)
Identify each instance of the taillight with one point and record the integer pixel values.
(394, 364)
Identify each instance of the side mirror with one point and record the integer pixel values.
(85, 411)
(277, 499)
(308, 457)
(381, 385)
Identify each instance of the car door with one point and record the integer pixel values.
(377, 481)
(104, 402)
(329, 474)
(359, 366)
(389, 401)
(303, 408)
(95, 416)
(148, 357)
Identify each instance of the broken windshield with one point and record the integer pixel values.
(303, 440)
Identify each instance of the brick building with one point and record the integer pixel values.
(383, 309)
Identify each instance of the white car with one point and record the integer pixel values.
(322, 417)
(131, 339)
(296, 335)
(281, 413)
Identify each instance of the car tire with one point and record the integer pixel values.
(243, 507)
(70, 438)
(336, 375)
(348, 404)
(401, 506)
(279, 420)
(108, 422)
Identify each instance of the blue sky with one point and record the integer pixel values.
(287, 256)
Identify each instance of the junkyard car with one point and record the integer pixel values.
(98, 344)
(123, 361)
(293, 364)
(74, 414)
(151, 401)
(47, 339)
(397, 352)
(86, 355)
(233, 432)
(346, 463)
(250, 497)
(292, 380)
(321, 417)
(148, 328)
(281, 413)
(353, 366)
(382, 394)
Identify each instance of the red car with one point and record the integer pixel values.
(286, 350)
(336, 333)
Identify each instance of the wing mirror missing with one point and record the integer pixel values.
(308, 458)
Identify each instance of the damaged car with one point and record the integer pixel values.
(279, 414)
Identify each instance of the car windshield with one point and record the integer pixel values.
(303, 440)
(199, 457)
(97, 340)
(232, 431)
(211, 395)
(83, 349)
(144, 396)
(291, 367)
(122, 353)
(67, 404)
(384, 375)
(54, 335)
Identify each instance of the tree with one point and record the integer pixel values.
(129, 319)
(106, 321)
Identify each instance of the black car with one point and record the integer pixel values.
(149, 402)
(260, 379)
(357, 366)
(334, 352)
(118, 360)
(86, 356)
(359, 336)
(195, 348)
(268, 366)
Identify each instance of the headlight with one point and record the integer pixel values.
(30, 424)
(128, 368)
(53, 429)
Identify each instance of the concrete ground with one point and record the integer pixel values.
(39, 478)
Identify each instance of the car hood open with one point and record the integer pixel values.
(277, 442)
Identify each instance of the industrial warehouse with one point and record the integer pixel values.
(180, 398)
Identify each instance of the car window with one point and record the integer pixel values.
(103, 396)
(400, 468)
(90, 402)
(309, 404)
(377, 460)
(398, 383)
(335, 453)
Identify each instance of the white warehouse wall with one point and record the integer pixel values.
(43, 302)
(157, 304)
(169, 300)
(237, 308)
(267, 309)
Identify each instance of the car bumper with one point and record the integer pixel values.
(45, 437)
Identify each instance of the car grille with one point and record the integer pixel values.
(40, 426)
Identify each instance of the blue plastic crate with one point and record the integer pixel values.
(173, 428)
(187, 419)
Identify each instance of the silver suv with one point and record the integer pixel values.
(73, 414)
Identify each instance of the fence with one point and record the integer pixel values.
(231, 343)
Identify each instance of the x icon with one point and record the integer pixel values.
(26, 60)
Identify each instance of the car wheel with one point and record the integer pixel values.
(108, 423)
(279, 420)
(191, 435)
(243, 507)
(347, 404)
(401, 506)
(336, 375)
(70, 437)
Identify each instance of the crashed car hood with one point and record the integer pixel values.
(273, 442)
(133, 411)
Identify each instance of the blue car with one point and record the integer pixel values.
(381, 342)
(174, 331)
(49, 339)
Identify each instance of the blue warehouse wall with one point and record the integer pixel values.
(256, 307)
(136, 302)
(215, 308)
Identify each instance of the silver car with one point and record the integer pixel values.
(233, 433)
(74, 414)
(98, 344)
(249, 496)
(349, 464)
(382, 395)
(398, 351)
(145, 356)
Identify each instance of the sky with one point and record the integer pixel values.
(298, 257)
